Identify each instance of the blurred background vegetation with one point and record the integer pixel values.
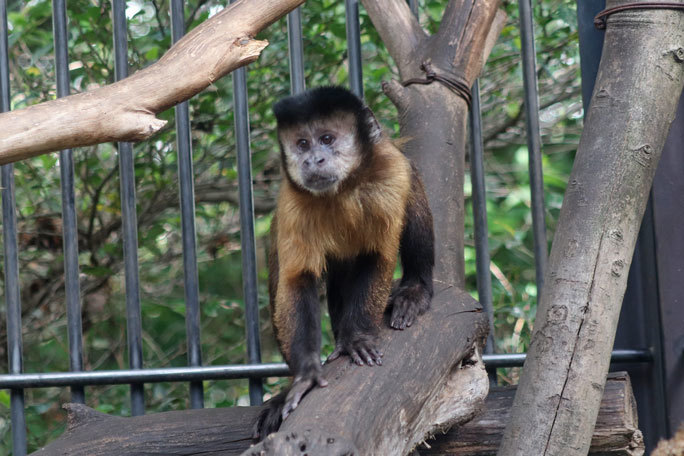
(162, 296)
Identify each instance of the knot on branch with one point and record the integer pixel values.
(450, 81)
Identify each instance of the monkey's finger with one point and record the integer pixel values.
(287, 410)
(334, 355)
(366, 356)
(355, 357)
(398, 322)
(377, 356)
(321, 382)
(299, 388)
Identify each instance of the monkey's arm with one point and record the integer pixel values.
(298, 327)
(295, 314)
(358, 289)
(417, 247)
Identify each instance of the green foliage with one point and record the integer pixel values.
(218, 235)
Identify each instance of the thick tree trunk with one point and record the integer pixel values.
(638, 85)
(432, 117)
(227, 431)
(125, 111)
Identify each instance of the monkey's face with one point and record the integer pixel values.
(319, 155)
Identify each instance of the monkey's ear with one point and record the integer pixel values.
(374, 128)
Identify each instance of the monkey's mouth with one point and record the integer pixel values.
(319, 182)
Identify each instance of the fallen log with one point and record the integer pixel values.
(616, 433)
(227, 431)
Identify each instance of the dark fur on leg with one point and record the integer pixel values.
(413, 295)
(270, 418)
(350, 287)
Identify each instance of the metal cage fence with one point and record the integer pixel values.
(76, 378)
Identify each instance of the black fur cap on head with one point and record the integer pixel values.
(320, 103)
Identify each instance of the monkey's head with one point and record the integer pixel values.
(326, 135)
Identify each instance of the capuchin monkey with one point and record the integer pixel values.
(350, 202)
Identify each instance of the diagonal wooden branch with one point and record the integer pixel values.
(125, 111)
(433, 116)
(639, 82)
(462, 42)
(431, 378)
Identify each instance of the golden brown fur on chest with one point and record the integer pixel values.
(367, 217)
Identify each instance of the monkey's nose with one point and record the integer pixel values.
(320, 160)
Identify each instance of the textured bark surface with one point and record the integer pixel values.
(433, 118)
(227, 431)
(638, 85)
(422, 386)
(125, 110)
(616, 434)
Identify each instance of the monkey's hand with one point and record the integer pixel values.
(360, 348)
(408, 301)
(300, 386)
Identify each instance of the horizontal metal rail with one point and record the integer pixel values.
(117, 377)
(231, 372)
(618, 356)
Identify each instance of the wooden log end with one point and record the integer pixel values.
(462, 396)
(309, 441)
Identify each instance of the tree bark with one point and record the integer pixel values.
(616, 434)
(424, 384)
(639, 83)
(227, 431)
(432, 117)
(430, 378)
(125, 110)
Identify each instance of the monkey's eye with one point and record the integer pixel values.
(327, 139)
(303, 145)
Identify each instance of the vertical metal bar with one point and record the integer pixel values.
(129, 220)
(9, 231)
(529, 64)
(247, 238)
(484, 278)
(187, 204)
(69, 227)
(354, 47)
(413, 4)
(296, 49)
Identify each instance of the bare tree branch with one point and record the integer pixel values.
(125, 110)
